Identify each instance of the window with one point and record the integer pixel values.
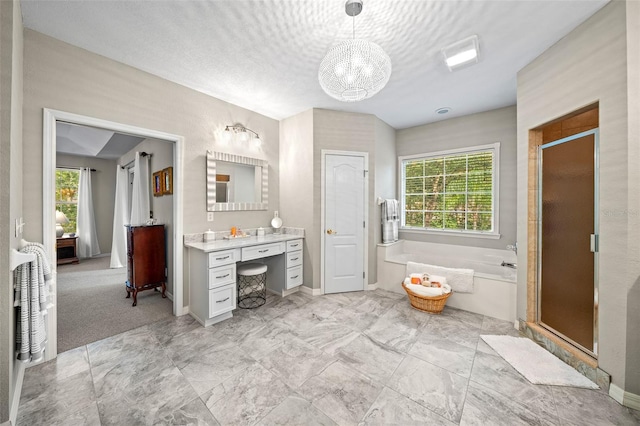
(453, 191)
(67, 196)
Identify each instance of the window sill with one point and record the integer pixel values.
(468, 234)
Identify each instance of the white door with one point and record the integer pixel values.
(344, 223)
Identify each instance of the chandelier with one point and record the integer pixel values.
(354, 69)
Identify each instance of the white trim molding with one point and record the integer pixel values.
(495, 231)
(625, 398)
(310, 291)
(15, 403)
(50, 118)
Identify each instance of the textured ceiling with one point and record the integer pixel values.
(264, 55)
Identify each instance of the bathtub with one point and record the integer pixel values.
(494, 291)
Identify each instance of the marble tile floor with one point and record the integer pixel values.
(364, 358)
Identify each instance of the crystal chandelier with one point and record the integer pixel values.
(354, 69)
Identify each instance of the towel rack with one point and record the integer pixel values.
(18, 258)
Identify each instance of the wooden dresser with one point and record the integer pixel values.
(66, 250)
(146, 265)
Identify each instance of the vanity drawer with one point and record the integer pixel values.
(222, 300)
(294, 277)
(222, 275)
(264, 250)
(224, 257)
(294, 245)
(294, 258)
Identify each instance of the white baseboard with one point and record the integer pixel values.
(310, 291)
(169, 295)
(15, 403)
(627, 399)
(372, 287)
(185, 310)
(285, 293)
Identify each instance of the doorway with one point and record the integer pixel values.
(567, 292)
(566, 229)
(344, 224)
(50, 120)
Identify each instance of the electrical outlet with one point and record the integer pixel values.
(209, 216)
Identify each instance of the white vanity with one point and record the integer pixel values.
(212, 269)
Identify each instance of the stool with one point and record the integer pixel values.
(252, 285)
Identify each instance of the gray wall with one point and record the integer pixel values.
(477, 129)
(303, 137)
(63, 77)
(103, 185)
(296, 187)
(589, 65)
(162, 207)
(385, 179)
(11, 66)
(344, 131)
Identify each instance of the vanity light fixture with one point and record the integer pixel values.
(462, 53)
(242, 134)
(354, 69)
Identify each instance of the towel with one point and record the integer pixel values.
(389, 217)
(391, 209)
(460, 280)
(427, 291)
(32, 282)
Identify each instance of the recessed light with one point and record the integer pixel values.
(443, 110)
(462, 53)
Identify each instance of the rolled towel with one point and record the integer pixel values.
(425, 291)
(460, 280)
(439, 279)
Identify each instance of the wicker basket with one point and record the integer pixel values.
(430, 304)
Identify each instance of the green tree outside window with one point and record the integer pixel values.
(67, 196)
(450, 192)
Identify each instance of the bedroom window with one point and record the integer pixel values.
(67, 196)
(451, 191)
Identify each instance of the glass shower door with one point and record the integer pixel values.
(567, 290)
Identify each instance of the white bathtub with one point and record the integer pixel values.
(494, 292)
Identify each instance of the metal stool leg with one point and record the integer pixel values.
(252, 290)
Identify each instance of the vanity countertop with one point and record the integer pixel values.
(218, 245)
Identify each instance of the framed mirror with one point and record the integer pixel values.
(236, 183)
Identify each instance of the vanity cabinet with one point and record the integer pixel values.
(212, 287)
(212, 270)
(294, 264)
(286, 272)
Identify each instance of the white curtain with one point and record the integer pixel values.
(86, 224)
(120, 218)
(140, 195)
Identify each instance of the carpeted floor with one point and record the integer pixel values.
(92, 304)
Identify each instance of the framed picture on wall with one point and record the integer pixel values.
(167, 180)
(158, 184)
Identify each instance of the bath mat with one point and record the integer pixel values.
(536, 364)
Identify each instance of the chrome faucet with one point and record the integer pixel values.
(509, 265)
(513, 247)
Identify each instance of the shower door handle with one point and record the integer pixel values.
(594, 243)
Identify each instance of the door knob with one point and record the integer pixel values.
(331, 231)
